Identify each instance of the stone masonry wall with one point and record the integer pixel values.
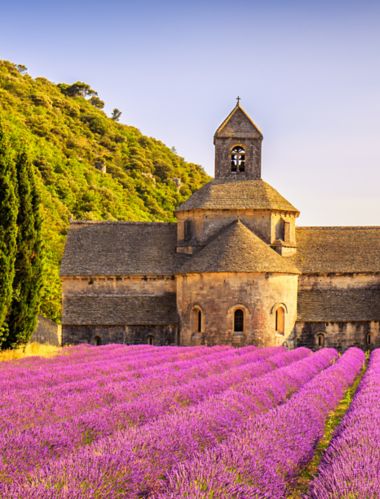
(223, 148)
(207, 223)
(340, 335)
(131, 334)
(129, 285)
(47, 332)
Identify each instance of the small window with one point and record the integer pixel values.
(321, 340)
(239, 321)
(280, 320)
(98, 340)
(150, 339)
(368, 339)
(197, 319)
(188, 229)
(238, 159)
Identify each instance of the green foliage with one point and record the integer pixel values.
(116, 113)
(96, 102)
(68, 138)
(22, 314)
(8, 227)
(21, 68)
(77, 89)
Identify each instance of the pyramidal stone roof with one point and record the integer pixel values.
(227, 194)
(238, 124)
(237, 249)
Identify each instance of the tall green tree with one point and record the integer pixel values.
(8, 228)
(116, 113)
(22, 314)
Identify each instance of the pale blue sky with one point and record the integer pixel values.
(308, 73)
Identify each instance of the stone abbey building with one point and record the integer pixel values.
(234, 269)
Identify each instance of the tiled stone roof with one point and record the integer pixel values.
(337, 249)
(339, 305)
(120, 248)
(119, 310)
(237, 249)
(226, 194)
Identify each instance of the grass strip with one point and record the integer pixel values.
(300, 487)
(30, 350)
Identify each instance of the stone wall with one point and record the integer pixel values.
(340, 335)
(223, 149)
(339, 281)
(154, 335)
(219, 294)
(127, 285)
(47, 332)
(119, 303)
(207, 223)
(101, 335)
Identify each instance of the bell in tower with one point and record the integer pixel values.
(238, 147)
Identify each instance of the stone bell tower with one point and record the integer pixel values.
(238, 147)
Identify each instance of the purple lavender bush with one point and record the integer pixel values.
(350, 468)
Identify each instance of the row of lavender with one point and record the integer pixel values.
(350, 468)
(125, 449)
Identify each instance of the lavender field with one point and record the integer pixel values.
(198, 422)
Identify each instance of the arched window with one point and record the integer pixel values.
(150, 339)
(368, 339)
(286, 232)
(238, 159)
(188, 230)
(197, 320)
(280, 320)
(320, 340)
(98, 340)
(199, 325)
(239, 321)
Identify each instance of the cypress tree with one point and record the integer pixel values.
(23, 312)
(8, 229)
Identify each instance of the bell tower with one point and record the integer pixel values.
(238, 147)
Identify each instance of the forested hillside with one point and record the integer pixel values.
(87, 165)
